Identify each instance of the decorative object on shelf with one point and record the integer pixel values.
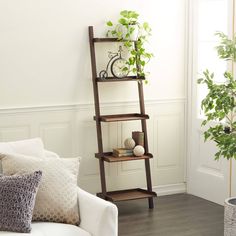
(220, 111)
(118, 65)
(138, 137)
(125, 30)
(122, 152)
(129, 143)
(139, 150)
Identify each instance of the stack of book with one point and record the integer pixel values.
(122, 152)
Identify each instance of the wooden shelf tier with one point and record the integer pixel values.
(123, 117)
(114, 79)
(125, 195)
(108, 157)
(111, 40)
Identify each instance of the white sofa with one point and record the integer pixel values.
(98, 218)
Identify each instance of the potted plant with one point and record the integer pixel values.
(130, 29)
(219, 107)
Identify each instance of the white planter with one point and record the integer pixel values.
(230, 217)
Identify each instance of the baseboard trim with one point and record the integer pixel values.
(169, 189)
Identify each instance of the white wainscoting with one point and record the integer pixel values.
(70, 131)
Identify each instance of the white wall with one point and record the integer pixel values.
(45, 53)
(45, 62)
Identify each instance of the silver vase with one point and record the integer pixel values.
(230, 217)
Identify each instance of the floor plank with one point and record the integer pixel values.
(174, 215)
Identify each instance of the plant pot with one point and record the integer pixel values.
(123, 29)
(230, 217)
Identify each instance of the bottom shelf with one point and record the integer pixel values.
(125, 195)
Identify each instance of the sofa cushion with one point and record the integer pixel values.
(56, 199)
(50, 229)
(17, 199)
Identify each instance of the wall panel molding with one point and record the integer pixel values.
(70, 131)
(17, 132)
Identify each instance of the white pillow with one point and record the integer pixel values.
(50, 154)
(30, 147)
(56, 199)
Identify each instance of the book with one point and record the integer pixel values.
(123, 154)
(122, 150)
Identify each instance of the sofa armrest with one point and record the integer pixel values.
(98, 217)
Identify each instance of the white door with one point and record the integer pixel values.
(207, 178)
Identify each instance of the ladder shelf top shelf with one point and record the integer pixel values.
(114, 79)
(122, 117)
(108, 157)
(111, 40)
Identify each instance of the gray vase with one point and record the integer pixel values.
(230, 217)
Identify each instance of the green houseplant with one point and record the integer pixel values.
(130, 29)
(219, 107)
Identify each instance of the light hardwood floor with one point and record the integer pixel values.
(174, 215)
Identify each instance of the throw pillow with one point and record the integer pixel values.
(50, 154)
(17, 199)
(31, 147)
(57, 195)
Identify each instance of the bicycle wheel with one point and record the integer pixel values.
(103, 74)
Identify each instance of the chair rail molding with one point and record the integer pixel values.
(85, 106)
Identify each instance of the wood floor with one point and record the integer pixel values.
(174, 215)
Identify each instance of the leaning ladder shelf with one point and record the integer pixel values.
(128, 194)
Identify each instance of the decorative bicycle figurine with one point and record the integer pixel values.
(119, 67)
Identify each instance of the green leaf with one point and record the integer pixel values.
(199, 81)
(133, 14)
(109, 23)
(125, 69)
(123, 21)
(124, 13)
(146, 27)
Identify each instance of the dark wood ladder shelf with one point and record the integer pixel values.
(122, 117)
(129, 194)
(108, 157)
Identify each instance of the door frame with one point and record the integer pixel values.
(191, 71)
